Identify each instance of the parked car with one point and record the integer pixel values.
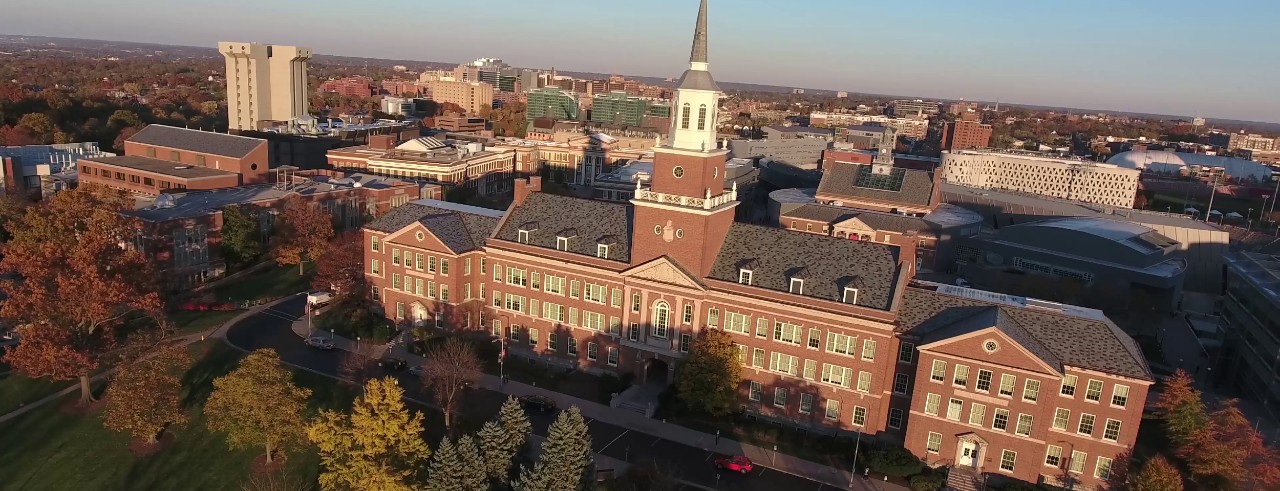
(393, 364)
(319, 342)
(541, 403)
(735, 463)
(416, 370)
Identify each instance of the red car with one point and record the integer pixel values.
(736, 463)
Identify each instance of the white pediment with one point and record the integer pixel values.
(662, 270)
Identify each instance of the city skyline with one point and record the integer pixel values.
(1135, 61)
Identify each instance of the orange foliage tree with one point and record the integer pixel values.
(74, 277)
(341, 270)
(303, 233)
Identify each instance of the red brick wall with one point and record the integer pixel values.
(700, 174)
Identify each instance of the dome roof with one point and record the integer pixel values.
(1163, 161)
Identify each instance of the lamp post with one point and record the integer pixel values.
(856, 446)
(357, 344)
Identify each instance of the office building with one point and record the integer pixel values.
(162, 158)
(1252, 330)
(620, 109)
(1031, 172)
(357, 86)
(266, 84)
(832, 334)
(963, 134)
(24, 166)
(916, 108)
(552, 103)
(470, 96)
(486, 170)
(460, 124)
(907, 127)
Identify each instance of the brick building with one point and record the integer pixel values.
(461, 164)
(827, 328)
(963, 134)
(470, 96)
(351, 86)
(161, 158)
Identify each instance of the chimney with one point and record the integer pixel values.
(524, 187)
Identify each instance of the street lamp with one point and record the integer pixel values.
(856, 445)
(357, 344)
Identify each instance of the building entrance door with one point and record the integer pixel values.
(968, 454)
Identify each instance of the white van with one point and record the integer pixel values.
(319, 299)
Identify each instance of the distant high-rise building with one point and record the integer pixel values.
(1197, 121)
(471, 96)
(619, 108)
(965, 133)
(265, 84)
(553, 103)
(914, 108)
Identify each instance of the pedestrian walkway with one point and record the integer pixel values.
(839, 478)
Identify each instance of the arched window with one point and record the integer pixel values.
(661, 319)
(684, 118)
(702, 117)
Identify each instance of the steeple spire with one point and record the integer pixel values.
(699, 52)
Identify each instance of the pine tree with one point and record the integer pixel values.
(473, 475)
(378, 446)
(503, 439)
(709, 379)
(535, 479)
(445, 473)
(1157, 475)
(566, 454)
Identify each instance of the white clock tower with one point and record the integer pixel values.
(693, 123)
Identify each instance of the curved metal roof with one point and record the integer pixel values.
(1175, 161)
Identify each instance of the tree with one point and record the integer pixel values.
(341, 269)
(304, 232)
(473, 475)
(447, 369)
(17, 136)
(446, 469)
(40, 125)
(258, 405)
(146, 395)
(1180, 406)
(378, 446)
(1228, 451)
(355, 368)
(125, 134)
(62, 339)
(13, 207)
(709, 379)
(241, 235)
(1157, 475)
(502, 439)
(566, 454)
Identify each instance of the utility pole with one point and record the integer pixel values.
(856, 445)
(1213, 192)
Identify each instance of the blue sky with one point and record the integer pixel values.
(1183, 57)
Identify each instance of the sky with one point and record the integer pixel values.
(1179, 57)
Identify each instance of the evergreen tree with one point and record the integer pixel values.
(566, 454)
(445, 473)
(473, 475)
(378, 446)
(241, 236)
(502, 440)
(709, 379)
(535, 479)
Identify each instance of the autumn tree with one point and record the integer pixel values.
(355, 368)
(502, 439)
(93, 263)
(709, 379)
(145, 395)
(1157, 475)
(341, 270)
(378, 447)
(1228, 452)
(13, 208)
(566, 454)
(1181, 408)
(258, 405)
(447, 369)
(302, 233)
(241, 235)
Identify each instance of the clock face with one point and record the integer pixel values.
(678, 171)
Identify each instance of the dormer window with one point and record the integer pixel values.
(562, 244)
(797, 286)
(850, 295)
(602, 251)
(523, 237)
(744, 276)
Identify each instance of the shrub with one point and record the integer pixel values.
(927, 482)
(897, 462)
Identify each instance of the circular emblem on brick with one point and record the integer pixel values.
(679, 233)
(678, 171)
(421, 235)
(990, 346)
(657, 230)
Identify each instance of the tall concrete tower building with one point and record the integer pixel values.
(265, 83)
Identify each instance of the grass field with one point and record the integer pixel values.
(49, 449)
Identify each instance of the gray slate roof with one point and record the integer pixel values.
(458, 230)
(826, 264)
(842, 180)
(162, 167)
(197, 141)
(1056, 338)
(876, 220)
(590, 220)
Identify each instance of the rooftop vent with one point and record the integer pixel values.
(181, 167)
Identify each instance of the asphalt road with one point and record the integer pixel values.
(272, 329)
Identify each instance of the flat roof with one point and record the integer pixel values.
(950, 193)
(157, 166)
(200, 202)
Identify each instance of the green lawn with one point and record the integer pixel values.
(269, 283)
(17, 390)
(186, 322)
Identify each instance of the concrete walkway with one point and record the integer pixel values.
(839, 478)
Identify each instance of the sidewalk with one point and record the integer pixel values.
(635, 422)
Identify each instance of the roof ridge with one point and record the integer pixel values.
(197, 130)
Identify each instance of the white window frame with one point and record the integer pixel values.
(955, 407)
(1029, 394)
(938, 372)
(1024, 418)
(755, 391)
(901, 383)
(1089, 390)
(796, 286)
(833, 410)
(1115, 393)
(957, 379)
(934, 400)
(602, 251)
(1012, 385)
(744, 276)
(850, 295)
(780, 397)
(1012, 458)
(1069, 384)
(1093, 423)
(1050, 453)
(1065, 419)
(933, 443)
(977, 414)
(1107, 429)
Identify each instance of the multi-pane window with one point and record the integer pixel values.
(1120, 395)
(757, 358)
(518, 277)
(954, 408)
(984, 381)
(1111, 432)
(833, 409)
(613, 356)
(934, 443)
(395, 281)
(533, 337)
(685, 341)
(939, 372)
(431, 264)
(841, 343)
(895, 418)
(688, 313)
(376, 244)
(1007, 458)
(977, 414)
(661, 320)
(780, 396)
(1077, 461)
(755, 391)
(593, 320)
(1006, 384)
(1068, 386)
(806, 403)
(553, 284)
(1031, 392)
(713, 317)
(859, 415)
(1053, 457)
(1060, 418)
(906, 352)
(864, 382)
(868, 349)
(395, 257)
(444, 266)
(1102, 469)
(735, 322)
(634, 332)
(1093, 392)
(742, 354)
(810, 369)
(575, 288)
(483, 264)
(497, 273)
(595, 293)
(784, 363)
(931, 403)
(535, 282)
(815, 339)
(571, 345)
(961, 377)
(1024, 425)
(836, 375)
(787, 333)
(1086, 424)
(900, 383)
(1001, 422)
(635, 303)
(515, 303)
(376, 267)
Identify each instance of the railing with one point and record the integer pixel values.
(705, 203)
